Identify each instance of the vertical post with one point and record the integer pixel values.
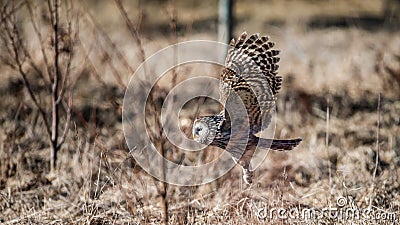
(225, 21)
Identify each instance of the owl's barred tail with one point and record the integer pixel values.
(279, 144)
(288, 144)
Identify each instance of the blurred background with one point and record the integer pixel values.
(65, 66)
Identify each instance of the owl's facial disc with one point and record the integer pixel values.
(200, 132)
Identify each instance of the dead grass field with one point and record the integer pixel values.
(341, 66)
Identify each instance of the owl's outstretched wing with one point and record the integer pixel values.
(251, 72)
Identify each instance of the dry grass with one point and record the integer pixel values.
(333, 75)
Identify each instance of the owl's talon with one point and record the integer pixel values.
(247, 176)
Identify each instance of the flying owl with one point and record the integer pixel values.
(249, 78)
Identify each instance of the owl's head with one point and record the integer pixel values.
(204, 129)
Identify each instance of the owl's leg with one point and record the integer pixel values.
(245, 163)
(247, 173)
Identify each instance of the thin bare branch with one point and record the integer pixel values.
(327, 140)
(54, 18)
(15, 43)
(68, 120)
(4, 14)
(132, 28)
(40, 38)
(18, 38)
(98, 77)
(378, 126)
(99, 30)
(69, 52)
(108, 60)
(116, 74)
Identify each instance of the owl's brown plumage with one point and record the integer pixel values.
(248, 79)
(251, 72)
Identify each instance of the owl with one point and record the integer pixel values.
(249, 82)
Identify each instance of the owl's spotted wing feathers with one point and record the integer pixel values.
(257, 50)
(251, 72)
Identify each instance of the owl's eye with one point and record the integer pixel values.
(198, 129)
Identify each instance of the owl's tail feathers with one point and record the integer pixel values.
(280, 144)
(283, 145)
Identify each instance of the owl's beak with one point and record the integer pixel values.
(195, 136)
(195, 133)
